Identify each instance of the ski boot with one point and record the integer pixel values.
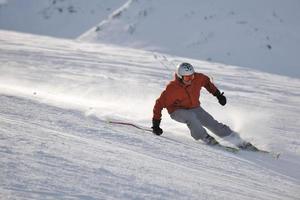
(247, 146)
(209, 140)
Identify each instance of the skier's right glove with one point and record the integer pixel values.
(155, 127)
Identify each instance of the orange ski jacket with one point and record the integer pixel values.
(177, 95)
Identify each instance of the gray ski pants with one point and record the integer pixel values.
(196, 119)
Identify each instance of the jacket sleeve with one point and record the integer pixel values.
(210, 87)
(159, 105)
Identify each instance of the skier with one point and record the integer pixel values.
(181, 99)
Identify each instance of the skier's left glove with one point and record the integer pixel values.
(221, 98)
(155, 127)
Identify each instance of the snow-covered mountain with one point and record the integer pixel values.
(59, 18)
(55, 143)
(264, 35)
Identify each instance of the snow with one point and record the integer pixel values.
(59, 18)
(55, 143)
(263, 35)
(2, 2)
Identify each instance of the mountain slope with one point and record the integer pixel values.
(58, 18)
(259, 34)
(55, 142)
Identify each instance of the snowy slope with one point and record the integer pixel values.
(264, 35)
(55, 142)
(59, 18)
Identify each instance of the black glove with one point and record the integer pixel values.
(221, 98)
(155, 126)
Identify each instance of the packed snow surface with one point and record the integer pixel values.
(55, 142)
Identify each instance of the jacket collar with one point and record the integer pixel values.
(179, 81)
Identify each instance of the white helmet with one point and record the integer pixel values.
(184, 69)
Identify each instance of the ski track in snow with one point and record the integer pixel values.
(55, 142)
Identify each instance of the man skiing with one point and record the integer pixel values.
(181, 99)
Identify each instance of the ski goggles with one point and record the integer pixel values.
(188, 77)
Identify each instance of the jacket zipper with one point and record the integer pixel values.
(188, 95)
